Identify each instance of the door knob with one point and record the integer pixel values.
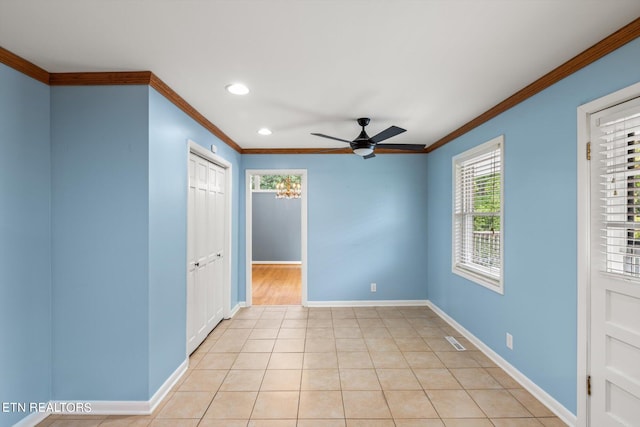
(197, 264)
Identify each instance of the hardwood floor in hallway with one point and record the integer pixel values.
(277, 284)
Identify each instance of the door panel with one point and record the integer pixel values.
(614, 340)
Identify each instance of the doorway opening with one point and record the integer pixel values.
(276, 236)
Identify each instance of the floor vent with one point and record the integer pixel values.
(454, 342)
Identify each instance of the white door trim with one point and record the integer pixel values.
(249, 220)
(195, 148)
(584, 257)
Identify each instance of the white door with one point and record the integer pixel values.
(614, 337)
(204, 257)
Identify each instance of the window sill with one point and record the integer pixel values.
(479, 278)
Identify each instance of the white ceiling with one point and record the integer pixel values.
(315, 66)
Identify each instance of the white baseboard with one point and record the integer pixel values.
(369, 303)
(115, 407)
(235, 309)
(277, 262)
(545, 398)
(32, 419)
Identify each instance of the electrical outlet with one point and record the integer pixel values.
(373, 287)
(509, 341)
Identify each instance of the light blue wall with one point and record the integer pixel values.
(539, 307)
(169, 129)
(276, 228)
(100, 236)
(25, 242)
(366, 223)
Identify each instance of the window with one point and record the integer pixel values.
(267, 183)
(477, 214)
(616, 145)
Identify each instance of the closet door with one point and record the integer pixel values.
(204, 284)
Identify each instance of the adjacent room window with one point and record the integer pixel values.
(477, 214)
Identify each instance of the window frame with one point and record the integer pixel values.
(476, 275)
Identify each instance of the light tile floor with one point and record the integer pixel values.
(290, 366)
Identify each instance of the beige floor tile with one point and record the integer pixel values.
(422, 359)
(345, 323)
(319, 332)
(319, 313)
(503, 378)
(419, 423)
(222, 423)
(436, 379)
(411, 344)
(552, 422)
(321, 423)
(294, 323)
(75, 423)
(320, 379)
(354, 332)
(410, 404)
(381, 344)
(285, 361)
(217, 361)
(457, 359)
(370, 322)
(273, 314)
(354, 360)
(258, 346)
(272, 423)
(375, 333)
(388, 359)
(398, 379)
(475, 378)
(319, 323)
(242, 323)
(232, 405)
(162, 404)
(365, 404)
(126, 421)
(359, 379)
(499, 404)
(482, 360)
(296, 315)
(251, 361)
(276, 404)
(532, 404)
(235, 334)
(342, 313)
(351, 344)
(292, 333)
(263, 334)
(203, 380)
(394, 322)
(173, 423)
(320, 360)
(268, 323)
(366, 313)
(438, 343)
(320, 345)
(281, 380)
(407, 332)
(243, 380)
(370, 423)
(516, 422)
(187, 404)
(294, 345)
(321, 404)
(454, 404)
(472, 422)
(249, 313)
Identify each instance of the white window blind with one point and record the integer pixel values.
(617, 135)
(477, 214)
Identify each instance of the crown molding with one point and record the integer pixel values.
(320, 150)
(100, 78)
(27, 68)
(605, 46)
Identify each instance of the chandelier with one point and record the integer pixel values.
(287, 190)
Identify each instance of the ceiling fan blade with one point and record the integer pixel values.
(387, 133)
(331, 137)
(369, 156)
(404, 147)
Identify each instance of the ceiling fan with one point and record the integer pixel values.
(364, 145)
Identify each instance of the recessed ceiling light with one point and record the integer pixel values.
(264, 131)
(237, 89)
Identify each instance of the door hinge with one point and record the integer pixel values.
(588, 150)
(588, 385)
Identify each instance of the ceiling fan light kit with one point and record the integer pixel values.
(364, 146)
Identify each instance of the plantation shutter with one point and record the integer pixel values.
(617, 135)
(477, 213)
